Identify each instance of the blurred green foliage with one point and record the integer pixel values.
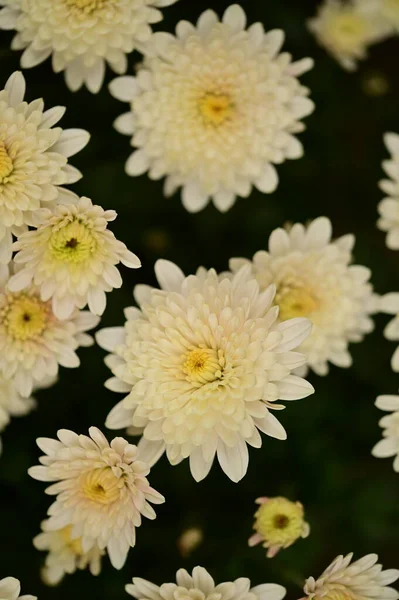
(350, 498)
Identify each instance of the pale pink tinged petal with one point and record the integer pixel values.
(255, 539)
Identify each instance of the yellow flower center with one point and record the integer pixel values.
(6, 165)
(101, 486)
(349, 29)
(279, 521)
(216, 108)
(295, 301)
(86, 6)
(73, 243)
(75, 545)
(25, 317)
(341, 593)
(204, 365)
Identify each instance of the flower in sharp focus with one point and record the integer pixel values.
(278, 524)
(65, 554)
(389, 304)
(81, 36)
(33, 342)
(214, 108)
(101, 488)
(201, 586)
(10, 589)
(71, 258)
(346, 31)
(203, 362)
(389, 445)
(314, 278)
(361, 580)
(33, 160)
(389, 206)
(12, 404)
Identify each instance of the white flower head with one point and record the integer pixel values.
(314, 278)
(346, 31)
(101, 488)
(214, 108)
(361, 580)
(10, 589)
(389, 445)
(385, 12)
(65, 554)
(81, 36)
(389, 304)
(12, 404)
(389, 206)
(203, 362)
(71, 258)
(201, 586)
(33, 342)
(33, 160)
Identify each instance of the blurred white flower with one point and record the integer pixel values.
(213, 108)
(346, 31)
(12, 404)
(361, 580)
(389, 207)
(278, 524)
(200, 585)
(101, 488)
(81, 36)
(384, 11)
(10, 589)
(71, 258)
(65, 554)
(33, 160)
(33, 342)
(389, 304)
(203, 362)
(389, 445)
(314, 279)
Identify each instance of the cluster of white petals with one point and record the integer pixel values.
(203, 362)
(12, 404)
(389, 206)
(33, 342)
(346, 31)
(389, 304)
(33, 161)
(361, 580)
(71, 258)
(81, 36)
(314, 278)
(389, 445)
(65, 554)
(201, 586)
(214, 108)
(101, 488)
(10, 589)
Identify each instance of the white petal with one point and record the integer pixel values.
(269, 591)
(124, 88)
(137, 163)
(110, 337)
(170, 277)
(385, 448)
(387, 402)
(268, 181)
(199, 467)
(15, 87)
(71, 142)
(235, 17)
(234, 461)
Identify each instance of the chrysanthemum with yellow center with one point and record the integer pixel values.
(203, 362)
(33, 160)
(213, 109)
(346, 31)
(314, 278)
(102, 491)
(71, 258)
(278, 524)
(361, 580)
(33, 342)
(85, 35)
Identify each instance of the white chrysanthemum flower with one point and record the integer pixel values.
(33, 342)
(389, 207)
(65, 554)
(389, 445)
(345, 31)
(389, 304)
(314, 279)
(33, 160)
(10, 589)
(201, 586)
(214, 108)
(361, 580)
(202, 362)
(279, 523)
(71, 258)
(81, 36)
(12, 404)
(101, 488)
(385, 11)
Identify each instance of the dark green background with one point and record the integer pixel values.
(350, 497)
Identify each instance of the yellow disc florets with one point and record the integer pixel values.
(101, 486)
(24, 316)
(295, 301)
(279, 521)
(338, 593)
(74, 242)
(6, 164)
(86, 6)
(203, 365)
(216, 108)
